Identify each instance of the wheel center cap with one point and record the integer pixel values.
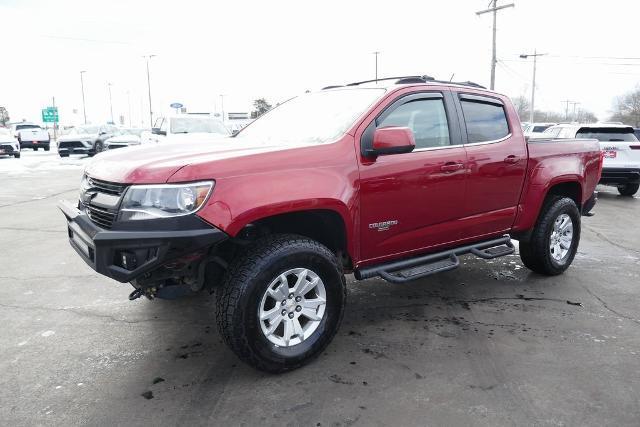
(291, 304)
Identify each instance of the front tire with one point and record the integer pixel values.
(554, 240)
(281, 303)
(17, 155)
(628, 190)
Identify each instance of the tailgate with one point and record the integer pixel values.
(33, 135)
(621, 154)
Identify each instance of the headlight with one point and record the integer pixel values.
(163, 201)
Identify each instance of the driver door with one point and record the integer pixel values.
(410, 202)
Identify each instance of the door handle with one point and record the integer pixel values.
(511, 159)
(451, 167)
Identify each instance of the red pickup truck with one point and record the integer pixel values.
(396, 178)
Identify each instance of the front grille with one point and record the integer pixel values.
(106, 186)
(70, 144)
(100, 216)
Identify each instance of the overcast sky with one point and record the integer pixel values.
(276, 49)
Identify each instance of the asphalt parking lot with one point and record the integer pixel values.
(487, 344)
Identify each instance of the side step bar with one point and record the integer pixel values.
(410, 269)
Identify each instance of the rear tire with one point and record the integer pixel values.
(254, 287)
(17, 155)
(35, 149)
(554, 240)
(64, 154)
(628, 190)
(47, 148)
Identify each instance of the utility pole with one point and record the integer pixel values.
(535, 55)
(84, 109)
(55, 134)
(110, 103)
(566, 103)
(129, 105)
(574, 110)
(222, 106)
(148, 57)
(494, 8)
(376, 53)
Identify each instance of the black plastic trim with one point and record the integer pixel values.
(168, 240)
(386, 270)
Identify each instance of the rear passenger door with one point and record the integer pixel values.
(497, 162)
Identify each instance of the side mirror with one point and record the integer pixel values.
(393, 140)
(157, 131)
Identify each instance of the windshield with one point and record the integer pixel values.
(19, 127)
(86, 129)
(313, 118)
(604, 134)
(197, 125)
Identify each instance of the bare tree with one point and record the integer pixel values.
(626, 108)
(260, 106)
(4, 116)
(522, 106)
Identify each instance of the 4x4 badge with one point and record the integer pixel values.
(384, 225)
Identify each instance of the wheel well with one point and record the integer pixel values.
(567, 189)
(321, 225)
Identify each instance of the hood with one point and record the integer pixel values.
(153, 164)
(123, 139)
(78, 137)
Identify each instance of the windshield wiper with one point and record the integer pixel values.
(183, 131)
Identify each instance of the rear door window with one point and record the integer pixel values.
(486, 121)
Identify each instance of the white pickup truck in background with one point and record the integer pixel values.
(31, 135)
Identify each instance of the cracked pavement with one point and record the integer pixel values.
(487, 344)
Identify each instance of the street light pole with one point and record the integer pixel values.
(494, 9)
(376, 53)
(84, 109)
(129, 105)
(110, 103)
(148, 57)
(535, 55)
(222, 106)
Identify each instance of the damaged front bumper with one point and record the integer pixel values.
(127, 254)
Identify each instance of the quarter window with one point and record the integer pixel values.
(426, 118)
(485, 121)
